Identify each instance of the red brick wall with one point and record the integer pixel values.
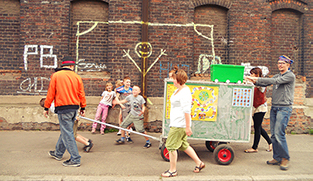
(255, 32)
(9, 43)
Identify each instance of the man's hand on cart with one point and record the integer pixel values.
(252, 79)
(188, 131)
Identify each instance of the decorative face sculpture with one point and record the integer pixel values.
(143, 49)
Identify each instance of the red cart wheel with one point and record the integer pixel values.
(164, 153)
(211, 145)
(223, 154)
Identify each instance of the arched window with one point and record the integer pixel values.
(10, 35)
(205, 49)
(287, 38)
(90, 17)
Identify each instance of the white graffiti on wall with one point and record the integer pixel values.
(205, 61)
(33, 50)
(90, 67)
(248, 67)
(36, 87)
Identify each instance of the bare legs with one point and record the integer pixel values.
(173, 162)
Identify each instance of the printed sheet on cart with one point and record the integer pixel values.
(219, 111)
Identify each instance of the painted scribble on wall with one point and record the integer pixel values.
(33, 86)
(204, 60)
(33, 50)
(248, 67)
(90, 67)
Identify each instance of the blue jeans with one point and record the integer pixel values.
(66, 140)
(279, 118)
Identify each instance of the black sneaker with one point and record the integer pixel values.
(120, 141)
(129, 140)
(88, 147)
(147, 145)
(69, 163)
(53, 155)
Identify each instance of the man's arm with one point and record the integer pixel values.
(50, 96)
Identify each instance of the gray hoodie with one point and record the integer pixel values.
(283, 88)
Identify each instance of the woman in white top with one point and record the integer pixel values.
(180, 123)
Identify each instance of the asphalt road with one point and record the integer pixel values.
(24, 156)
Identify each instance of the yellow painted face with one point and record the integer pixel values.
(143, 49)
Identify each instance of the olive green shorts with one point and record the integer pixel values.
(137, 120)
(177, 139)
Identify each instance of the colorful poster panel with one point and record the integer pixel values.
(204, 102)
(242, 97)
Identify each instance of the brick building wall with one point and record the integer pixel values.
(105, 38)
(37, 34)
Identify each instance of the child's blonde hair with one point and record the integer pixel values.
(107, 85)
(118, 83)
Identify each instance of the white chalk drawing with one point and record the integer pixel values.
(50, 55)
(90, 67)
(34, 51)
(36, 87)
(26, 53)
(143, 50)
(248, 67)
(205, 61)
(95, 23)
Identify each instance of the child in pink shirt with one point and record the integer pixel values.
(106, 101)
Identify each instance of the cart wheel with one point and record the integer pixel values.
(211, 145)
(223, 154)
(164, 153)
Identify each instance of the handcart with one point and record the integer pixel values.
(220, 113)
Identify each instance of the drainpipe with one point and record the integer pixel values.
(144, 38)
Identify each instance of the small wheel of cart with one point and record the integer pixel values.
(223, 154)
(211, 145)
(165, 153)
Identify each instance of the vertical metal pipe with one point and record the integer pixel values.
(144, 38)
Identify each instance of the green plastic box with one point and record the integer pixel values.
(224, 72)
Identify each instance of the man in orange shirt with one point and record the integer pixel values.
(66, 89)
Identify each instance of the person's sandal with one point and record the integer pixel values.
(199, 168)
(251, 150)
(270, 148)
(171, 174)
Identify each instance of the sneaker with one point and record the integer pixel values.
(284, 164)
(120, 141)
(119, 133)
(147, 145)
(69, 163)
(273, 162)
(53, 155)
(129, 140)
(88, 147)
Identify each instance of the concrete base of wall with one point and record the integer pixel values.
(25, 113)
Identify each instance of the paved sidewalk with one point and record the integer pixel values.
(24, 156)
